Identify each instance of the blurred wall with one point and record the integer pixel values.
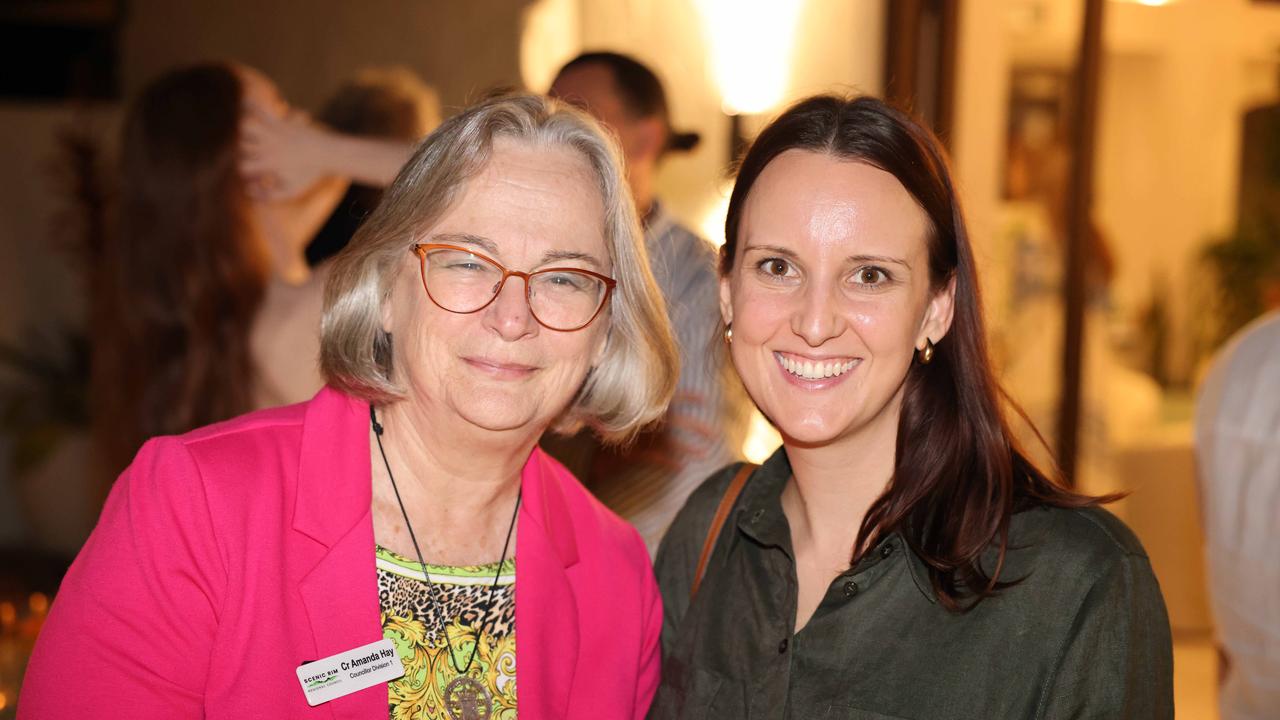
(462, 48)
(982, 82)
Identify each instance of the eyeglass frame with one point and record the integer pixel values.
(420, 249)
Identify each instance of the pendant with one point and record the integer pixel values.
(467, 699)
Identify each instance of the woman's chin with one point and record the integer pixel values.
(501, 420)
(812, 431)
(807, 438)
(503, 412)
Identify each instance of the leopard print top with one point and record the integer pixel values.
(432, 687)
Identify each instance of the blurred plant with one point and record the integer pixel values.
(1154, 328)
(46, 397)
(81, 225)
(45, 386)
(1246, 266)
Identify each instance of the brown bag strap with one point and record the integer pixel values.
(727, 502)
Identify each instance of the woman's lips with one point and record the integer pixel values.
(815, 373)
(500, 370)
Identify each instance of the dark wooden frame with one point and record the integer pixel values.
(920, 59)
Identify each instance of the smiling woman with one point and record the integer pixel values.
(500, 289)
(898, 557)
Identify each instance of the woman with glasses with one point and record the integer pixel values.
(898, 556)
(399, 545)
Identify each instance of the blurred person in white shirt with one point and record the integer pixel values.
(1238, 453)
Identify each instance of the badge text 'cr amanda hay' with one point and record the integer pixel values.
(350, 671)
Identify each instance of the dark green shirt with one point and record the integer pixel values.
(1084, 635)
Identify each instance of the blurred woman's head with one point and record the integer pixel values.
(850, 283)
(532, 185)
(390, 102)
(183, 272)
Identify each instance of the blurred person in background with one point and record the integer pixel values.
(203, 305)
(500, 289)
(1238, 454)
(899, 556)
(389, 103)
(705, 428)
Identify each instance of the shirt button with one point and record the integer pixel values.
(850, 589)
(755, 517)
(886, 551)
(782, 646)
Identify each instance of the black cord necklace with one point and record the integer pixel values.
(488, 600)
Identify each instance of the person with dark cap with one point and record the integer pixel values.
(648, 482)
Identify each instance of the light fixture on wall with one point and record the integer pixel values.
(751, 43)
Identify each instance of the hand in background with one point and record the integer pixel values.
(281, 156)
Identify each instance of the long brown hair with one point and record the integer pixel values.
(182, 273)
(959, 474)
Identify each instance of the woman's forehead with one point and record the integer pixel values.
(531, 199)
(825, 201)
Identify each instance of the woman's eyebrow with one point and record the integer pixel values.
(882, 259)
(483, 243)
(491, 248)
(560, 255)
(772, 249)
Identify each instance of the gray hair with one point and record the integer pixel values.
(634, 381)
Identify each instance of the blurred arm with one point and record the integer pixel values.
(282, 157)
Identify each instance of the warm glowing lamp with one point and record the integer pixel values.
(751, 43)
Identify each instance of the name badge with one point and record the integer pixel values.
(350, 671)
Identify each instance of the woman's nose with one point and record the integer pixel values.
(509, 314)
(817, 317)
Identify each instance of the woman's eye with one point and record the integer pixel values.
(776, 267)
(870, 276)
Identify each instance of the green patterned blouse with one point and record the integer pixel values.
(432, 688)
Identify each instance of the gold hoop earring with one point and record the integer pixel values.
(728, 334)
(925, 355)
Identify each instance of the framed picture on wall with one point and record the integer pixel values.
(1037, 129)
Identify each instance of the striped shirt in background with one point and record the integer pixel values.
(1238, 453)
(708, 419)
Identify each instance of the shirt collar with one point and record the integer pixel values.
(919, 571)
(760, 518)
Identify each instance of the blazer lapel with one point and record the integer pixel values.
(547, 617)
(339, 592)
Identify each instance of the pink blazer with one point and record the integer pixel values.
(227, 557)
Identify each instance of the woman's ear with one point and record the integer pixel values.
(938, 315)
(726, 301)
(385, 309)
